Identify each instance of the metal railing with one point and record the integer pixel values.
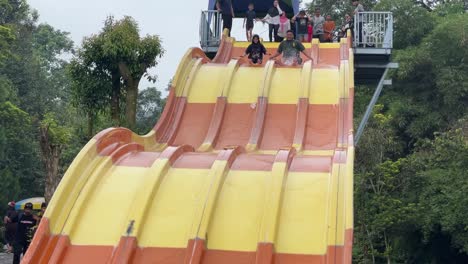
(210, 30)
(373, 30)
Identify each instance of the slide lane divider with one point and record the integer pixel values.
(175, 92)
(336, 217)
(302, 106)
(96, 176)
(218, 172)
(136, 218)
(273, 203)
(90, 158)
(171, 132)
(315, 51)
(261, 107)
(220, 108)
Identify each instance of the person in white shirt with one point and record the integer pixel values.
(273, 20)
(318, 21)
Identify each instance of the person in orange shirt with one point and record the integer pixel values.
(328, 28)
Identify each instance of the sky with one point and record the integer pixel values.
(174, 21)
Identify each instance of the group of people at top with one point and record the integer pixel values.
(279, 24)
(280, 30)
(20, 228)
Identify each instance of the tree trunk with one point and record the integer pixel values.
(50, 158)
(370, 244)
(131, 103)
(132, 81)
(115, 100)
(90, 131)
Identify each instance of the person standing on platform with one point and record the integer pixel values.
(303, 21)
(250, 16)
(328, 29)
(227, 13)
(318, 22)
(273, 20)
(285, 25)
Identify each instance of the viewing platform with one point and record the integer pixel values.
(372, 42)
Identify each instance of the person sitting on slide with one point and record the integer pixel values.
(291, 50)
(256, 50)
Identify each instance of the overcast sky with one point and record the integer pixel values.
(175, 21)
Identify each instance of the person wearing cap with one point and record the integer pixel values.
(10, 221)
(26, 222)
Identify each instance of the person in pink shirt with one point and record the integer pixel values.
(285, 25)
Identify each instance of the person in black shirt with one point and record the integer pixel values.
(227, 13)
(250, 15)
(11, 216)
(256, 50)
(303, 21)
(26, 222)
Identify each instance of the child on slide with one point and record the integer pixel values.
(255, 51)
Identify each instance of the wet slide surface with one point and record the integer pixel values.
(248, 164)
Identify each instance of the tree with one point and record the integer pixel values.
(6, 38)
(33, 86)
(90, 90)
(119, 54)
(134, 56)
(102, 68)
(53, 138)
(17, 152)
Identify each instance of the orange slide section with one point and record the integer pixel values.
(247, 165)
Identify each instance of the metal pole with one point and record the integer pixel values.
(370, 107)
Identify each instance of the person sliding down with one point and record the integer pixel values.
(291, 50)
(256, 50)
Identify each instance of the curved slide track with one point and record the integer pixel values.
(247, 165)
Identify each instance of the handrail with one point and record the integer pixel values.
(210, 30)
(373, 30)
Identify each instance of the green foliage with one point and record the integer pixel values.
(410, 184)
(13, 11)
(444, 162)
(10, 186)
(337, 8)
(150, 107)
(58, 134)
(6, 38)
(411, 21)
(90, 88)
(109, 67)
(18, 156)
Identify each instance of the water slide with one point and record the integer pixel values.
(247, 165)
